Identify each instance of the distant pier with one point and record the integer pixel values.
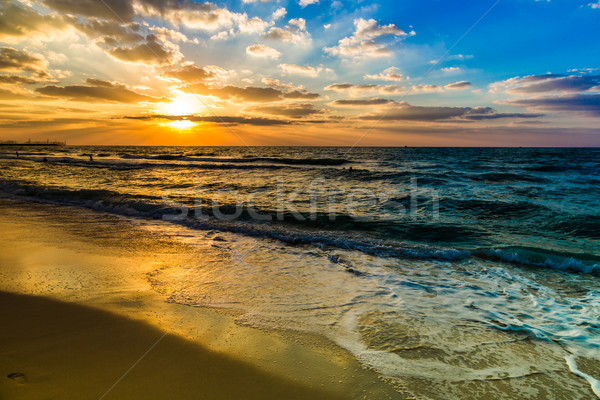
(32, 143)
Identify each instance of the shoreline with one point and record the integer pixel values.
(96, 266)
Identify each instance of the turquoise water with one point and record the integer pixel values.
(371, 245)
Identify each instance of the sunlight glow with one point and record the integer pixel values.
(183, 104)
(181, 124)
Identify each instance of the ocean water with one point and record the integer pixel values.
(453, 272)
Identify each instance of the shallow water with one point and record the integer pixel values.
(453, 271)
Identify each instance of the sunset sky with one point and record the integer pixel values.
(301, 72)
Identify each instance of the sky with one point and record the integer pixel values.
(301, 72)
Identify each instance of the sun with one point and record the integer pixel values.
(183, 104)
(182, 124)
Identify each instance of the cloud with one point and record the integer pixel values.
(383, 89)
(18, 21)
(595, 5)
(262, 51)
(110, 30)
(115, 10)
(17, 79)
(165, 34)
(17, 60)
(152, 51)
(288, 110)
(294, 32)
(277, 83)
(97, 91)
(547, 83)
(189, 73)
(388, 74)
(200, 16)
(10, 95)
(279, 13)
(304, 3)
(450, 70)
(20, 61)
(588, 104)
(362, 43)
(229, 120)
(307, 70)
(365, 102)
(406, 112)
(458, 85)
(249, 93)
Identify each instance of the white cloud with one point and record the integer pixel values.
(362, 43)
(262, 51)
(356, 90)
(293, 69)
(595, 5)
(451, 70)
(388, 74)
(304, 3)
(278, 84)
(294, 32)
(279, 13)
(201, 16)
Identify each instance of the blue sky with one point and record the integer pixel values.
(183, 72)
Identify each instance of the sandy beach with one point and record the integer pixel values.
(80, 320)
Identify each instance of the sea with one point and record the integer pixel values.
(452, 272)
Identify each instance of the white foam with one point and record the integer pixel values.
(594, 383)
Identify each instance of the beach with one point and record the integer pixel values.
(422, 273)
(80, 321)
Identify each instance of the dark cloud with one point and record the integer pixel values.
(478, 117)
(288, 110)
(17, 79)
(189, 73)
(214, 119)
(367, 102)
(18, 60)
(406, 112)
(113, 32)
(385, 89)
(18, 20)
(296, 94)
(580, 103)
(115, 10)
(458, 85)
(97, 91)
(151, 51)
(249, 93)
(347, 86)
(556, 83)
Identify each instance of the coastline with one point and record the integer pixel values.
(76, 286)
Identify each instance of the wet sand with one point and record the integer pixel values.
(78, 312)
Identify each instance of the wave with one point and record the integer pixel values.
(272, 160)
(486, 209)
(116, 165)
(536, 257)
(505, 177)
(107, 201)
(308, 233)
